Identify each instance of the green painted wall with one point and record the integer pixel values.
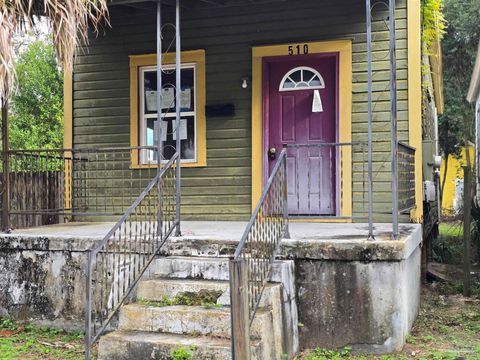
(222, 190)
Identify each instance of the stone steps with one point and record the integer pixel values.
(188, 320)
(130, 345)
(160, 289)
(170, 313)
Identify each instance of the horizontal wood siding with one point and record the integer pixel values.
(221, 191)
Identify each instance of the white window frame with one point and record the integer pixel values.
(308, 87)
(146, 158)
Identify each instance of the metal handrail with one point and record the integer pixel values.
(48, 184)
(252, 262)
(117, 263)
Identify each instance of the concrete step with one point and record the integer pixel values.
(188, 320)
(183, 267)
(206, 268)
(160, 289)
(128, 345)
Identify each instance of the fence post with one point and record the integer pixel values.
(240, 324)
(467, 217)
(88, 306)
(6, 175)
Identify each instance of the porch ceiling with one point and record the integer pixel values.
(193, 3)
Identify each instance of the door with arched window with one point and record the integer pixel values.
(300, 110)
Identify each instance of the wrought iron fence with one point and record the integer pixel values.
(117, 263)
(406, 177)
(316, 175)
(252, 263)
(54, 183)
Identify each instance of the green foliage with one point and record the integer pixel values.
(36, 107)
(325, 354)
(448, 247)
(27, 341)
(459, 50)
(182, 353)
(206, 298)
(433, 23)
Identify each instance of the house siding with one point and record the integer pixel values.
(222, 189)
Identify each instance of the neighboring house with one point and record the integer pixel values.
(452, 200)
(299, 110)
(473, 97)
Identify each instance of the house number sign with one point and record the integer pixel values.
(298, 49)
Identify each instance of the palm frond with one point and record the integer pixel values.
(70, 22)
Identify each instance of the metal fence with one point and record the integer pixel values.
(45, 186)
(406, 177)
(316, 175)
(117, 263)
(252, 263)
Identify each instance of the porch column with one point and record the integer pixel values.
(5, 161)
(370, 155)
(393, 118)
(159, 116)
(178, 97)
(159, 84)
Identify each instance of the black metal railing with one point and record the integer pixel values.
(406, 177)
(117, 263)
(252, 263)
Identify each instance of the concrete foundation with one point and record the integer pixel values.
(363, 294)
(349, 291)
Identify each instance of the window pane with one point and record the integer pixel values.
(187, 123)
(296, 76)
(168, 84)
(187, 136)
(288, 84)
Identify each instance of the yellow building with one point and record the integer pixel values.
(455, 171)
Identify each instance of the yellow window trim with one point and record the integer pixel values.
(415, 100)
(344, 48)
(198, 58)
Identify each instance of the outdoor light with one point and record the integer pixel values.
(245, 82)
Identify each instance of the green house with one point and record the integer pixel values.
(315, 121)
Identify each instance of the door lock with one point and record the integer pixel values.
(272, 153)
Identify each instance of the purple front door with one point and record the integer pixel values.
(300, 110)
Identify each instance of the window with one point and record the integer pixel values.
(302, 78)
(148, 113)
(143, 108)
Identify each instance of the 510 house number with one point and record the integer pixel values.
(298, 49)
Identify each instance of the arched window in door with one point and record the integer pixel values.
(302, 78)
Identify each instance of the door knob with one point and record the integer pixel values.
(272, 153)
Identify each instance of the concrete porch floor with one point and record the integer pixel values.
(223, 231)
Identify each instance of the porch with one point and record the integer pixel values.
(353, 168)
(343, 288)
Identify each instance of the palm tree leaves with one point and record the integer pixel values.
(70, 22)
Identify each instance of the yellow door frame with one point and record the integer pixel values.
(344, 49)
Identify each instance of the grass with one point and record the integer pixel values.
(448, 247)
(26, 341)
(447, 328)
(452, 229)
(206, 298)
